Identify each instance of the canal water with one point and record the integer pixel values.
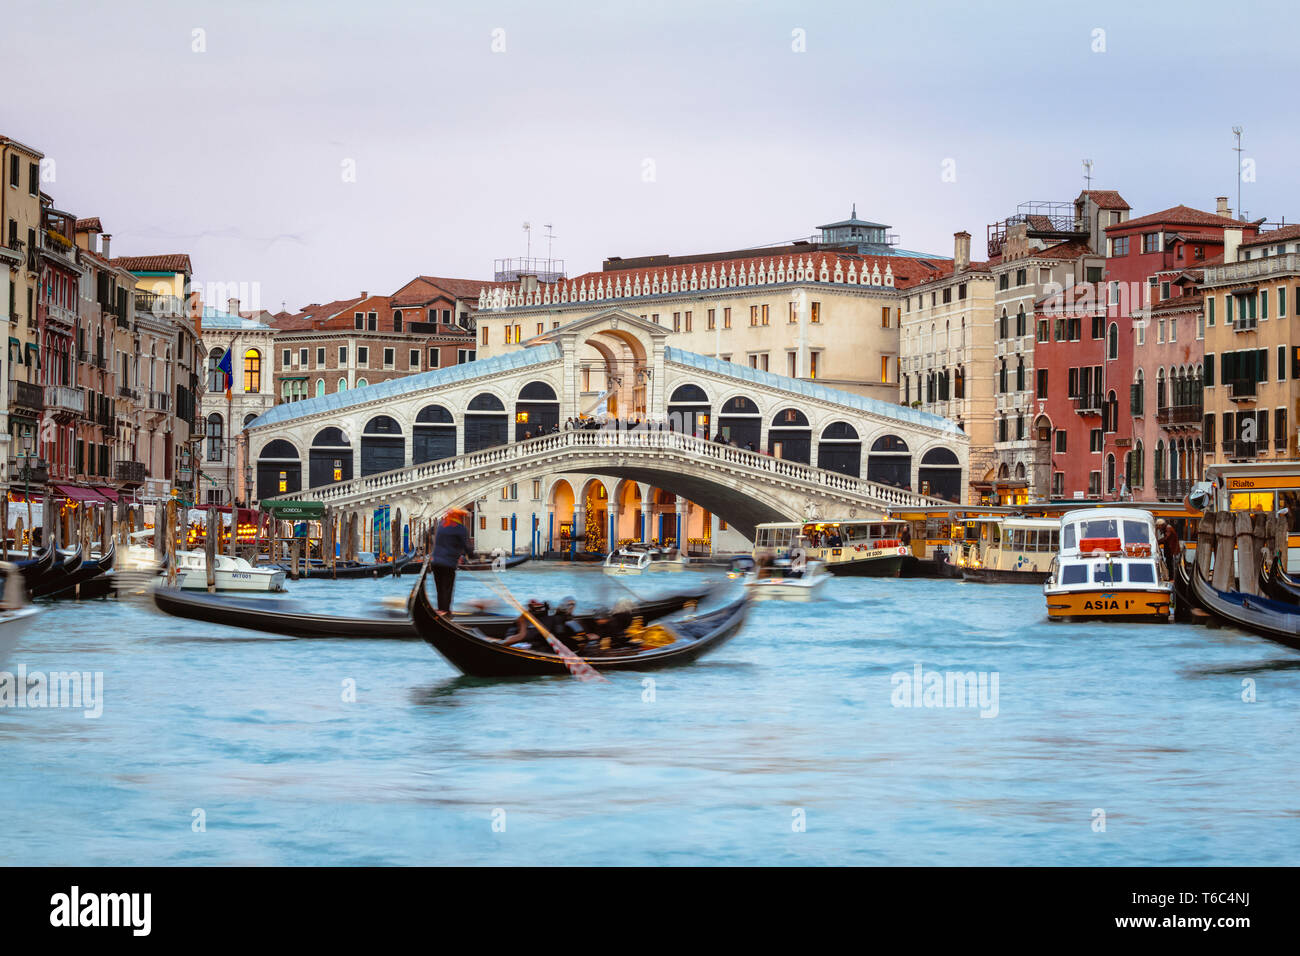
(800, 742)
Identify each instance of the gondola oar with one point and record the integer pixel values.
(576, 665)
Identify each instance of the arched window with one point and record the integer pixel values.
(342, 385)
(889, 462)
(215, 436)
(362, 383)
(397, 320)
(216, 377)
(839, 449)
(320, 387)
(1112, 343)
(689, 393)
(252, 371)
(940, 474)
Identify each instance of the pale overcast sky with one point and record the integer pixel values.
(633, 127)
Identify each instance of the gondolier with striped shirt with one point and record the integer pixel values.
(449, 546)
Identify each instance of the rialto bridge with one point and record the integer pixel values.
(473, 435)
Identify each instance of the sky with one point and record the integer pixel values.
(306, 152)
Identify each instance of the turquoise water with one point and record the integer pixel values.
(785, 746)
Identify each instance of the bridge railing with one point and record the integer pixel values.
(466, 466)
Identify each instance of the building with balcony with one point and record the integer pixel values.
(57, 315)
(222, 479)
(1252, 347)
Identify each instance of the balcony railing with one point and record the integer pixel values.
(1263, 268)
(132, 471)
(1242, 389)
(26, 395)
(38, 474)
(1173, 489)
(1180, 414)
(1088, 404)
(63, 400)
(1236, 448)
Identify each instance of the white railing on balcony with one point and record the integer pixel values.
(62, 398)
(1253, 269)
(564, 450)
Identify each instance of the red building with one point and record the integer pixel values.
(57, 305)
(1151, 373)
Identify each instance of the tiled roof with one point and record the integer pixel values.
(89, 225)
(901, 413)
(1283, 234)
(1062, 250)
(1179, 216)
(408, 384)
(1187, 302)
(1106, 198)
(174, 262)
(314, 315)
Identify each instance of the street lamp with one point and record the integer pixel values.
(27, 478)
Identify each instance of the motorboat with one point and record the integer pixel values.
(786, 580)
(1013, 551)
(230, 574)
(1108, 568)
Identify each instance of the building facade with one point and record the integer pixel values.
(1252, 348)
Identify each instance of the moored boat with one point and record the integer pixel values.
(477, 655)
(230, 574)
(867, 548)
(1277, 620)
(1013, 551)
(1108, 568)
(89, 570)
(638, 559)
(16, 615)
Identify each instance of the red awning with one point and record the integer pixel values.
(79, 494)
(108, 493)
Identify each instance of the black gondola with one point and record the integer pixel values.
(478, 563)
(349, 571)
(275, 616)
(478, 656)
(79, 576)
(34, 568)
(1278, 620)
(56, 577)
(1277, 584)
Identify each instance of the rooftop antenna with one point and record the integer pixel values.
(1087, 173)
(1236, 131)
(528, 238)
(550, 235)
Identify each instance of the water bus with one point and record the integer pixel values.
(1109, 567)
(875, 547)
(1012, 551)
(1257, 486)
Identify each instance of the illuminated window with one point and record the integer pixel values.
(521, 418)
(252, 371)
(726, 317)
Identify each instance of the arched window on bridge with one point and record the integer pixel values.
(434, 435)
(279, 470)
(537, 411)
(940, 474)
(382, 446)
(890, 462)
(840, 449)
(689, 411)
(789, 437)
(485, 423)
(329, 459)
(740, 422)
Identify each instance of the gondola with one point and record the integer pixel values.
(476, 655)
(349, 571)
(481, 563)
(32, 569)
(79, 576)
(1185, 600)
(275, 616)
(1277, 584)
(56, 577)
(16, 616)
(1277, 620)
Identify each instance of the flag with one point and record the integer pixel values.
(224, 367)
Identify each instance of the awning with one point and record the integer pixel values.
(79, 494)
(108, 493)
(294, 509)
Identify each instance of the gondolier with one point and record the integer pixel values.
(450, 545)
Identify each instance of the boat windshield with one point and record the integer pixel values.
(1136, 532)
(1074, 574)
(1141, 571)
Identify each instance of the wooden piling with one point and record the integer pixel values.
(210, 547)
(168, 535)
(1225, 543)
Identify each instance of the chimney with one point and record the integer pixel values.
(232, 306)
(1231, 242)
(961, 251)
(1221, 207)
(365, 294)
(103, 244)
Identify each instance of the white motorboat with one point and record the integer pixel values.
(16, 615)
(638, 559)
(231, 574)
(785, 580)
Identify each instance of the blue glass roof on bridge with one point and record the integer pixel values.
(875, 406)
(397, 387)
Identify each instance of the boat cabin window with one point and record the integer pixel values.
(1136, 532)
(1069, 535)
(1107, 573)
(1074, 574)
(1141, 572)
(1099, 528)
